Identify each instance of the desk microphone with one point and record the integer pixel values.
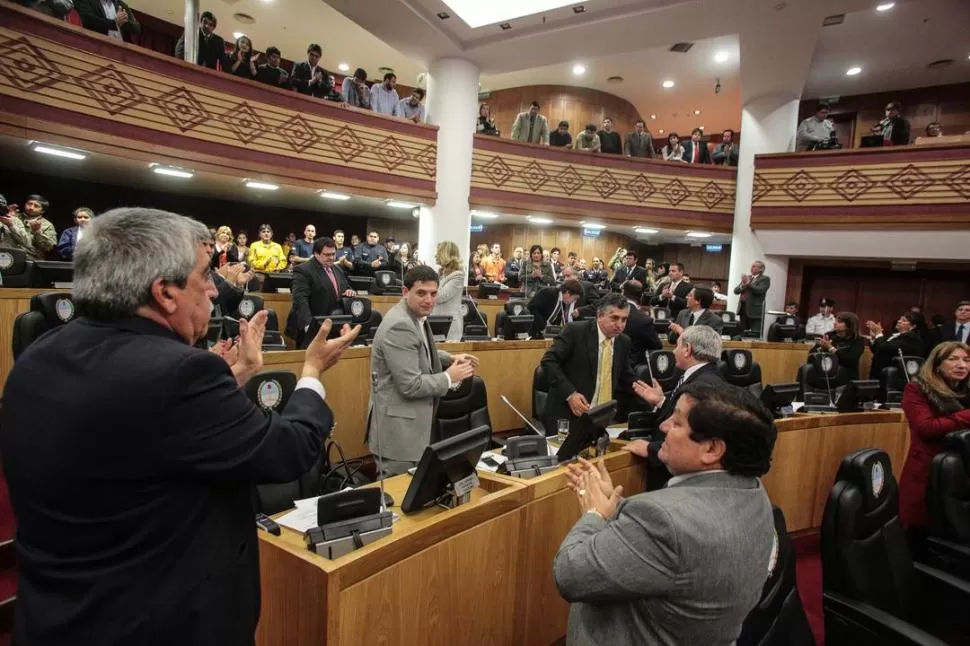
(477, 311)
(828, 383)
(386, 501)
(902, 363)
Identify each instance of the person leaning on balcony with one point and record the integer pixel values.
(270, 72)
(241, 61)
(384, 98)
(588, 140)
(56, 8)
(531, 127)
(639, 143)
(673, 151)
(354, 90)
(264, 254)
(112, 18)
(211, 46)
(308, 77)
(814, 130)
(485, 124)
(560, 137)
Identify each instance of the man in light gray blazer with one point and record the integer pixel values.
(412, 376)
(751, 307)
(697, 312)
(531, 127)
(684, 564)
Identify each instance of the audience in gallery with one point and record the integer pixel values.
(72, 235)
(476, 272)
(894, 128)
(28, 231)
(588, 139)
(674, 150)
(816, 131)
(844, 342)
(55, 8)
(610, 142)
(639, 143)
(485, 124)
(354, 90)
(264, 254)
(241, 61)
(934, 129)
(531, 127)
(113, 19)
(561, 137)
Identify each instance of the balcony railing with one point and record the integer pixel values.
(516, 175)
(62, 83)
(906, 187)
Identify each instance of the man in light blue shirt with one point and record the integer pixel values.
(384, 98)
(411, 108)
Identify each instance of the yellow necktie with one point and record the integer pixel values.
(604, 378)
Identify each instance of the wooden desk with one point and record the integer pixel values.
(811, 447)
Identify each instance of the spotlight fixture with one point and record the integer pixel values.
(261, 186)
(579, 70)
(537, 220)
(343, 67)
(57, 151)
(237, 35)
(653, 116)
(885, 6)
(721, 57)
(661, 131)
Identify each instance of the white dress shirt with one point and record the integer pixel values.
(111, 14)
(313, 384)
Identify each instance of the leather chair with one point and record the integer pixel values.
(821, 380)
(15, 269)
(872, 591)
(474, 321)
(731, 327)
(779, 618)
(48, 310)
(893, 378)
(739, 368)
(540, 394)
(948, 506)
(661, 320)
(512, 307)
(663, 367)
(462, 409)
(248, 307)
(362, 310)
(387, 282)
(640, 425)
(271, 390)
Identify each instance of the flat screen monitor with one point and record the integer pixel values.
(338, 322)
(52, 273)
(273, 283)
(517, 327)
(361, 284)
(778, 398)
(785, 332)
(856, 394)
(585, 431)
(444, 463)
(871, 141)
(439, 327)
(489, 290)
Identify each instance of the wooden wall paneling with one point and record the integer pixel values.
(402, 230)
(940, 296)
(883, 299)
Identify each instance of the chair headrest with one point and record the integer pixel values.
(825, 363)
(662, 363)
(384, 278)
(661, 314)
(909, 364)
(738, 361)
(249, 305)
(958, 442)
(57, 307)
(515, 307)
(271, 389)
(12, 262)
(358, 307)
(727, 317)
(870, 471)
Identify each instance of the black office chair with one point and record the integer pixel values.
(363, 313)
(15, 269)
(271, 391)
(739, 368)
(387, 282)
(948, 506)
(516, 307)
(872, 591)
(47, 311)
(640, 425)
(663, 367)
(540, 395)
(661, 320)
(779, 618)
(821, 380)
(248, 307)
(461, 410)
(731, 326)
(474, 322)
(893, 379)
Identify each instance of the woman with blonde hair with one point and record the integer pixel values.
(936, 402)
(224, 251)
(450, 287)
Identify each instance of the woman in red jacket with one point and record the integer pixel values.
(937, 402)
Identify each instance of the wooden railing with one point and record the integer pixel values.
(66, 85)
(908, 187)
(514, 175)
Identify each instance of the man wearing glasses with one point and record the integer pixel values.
(318, 289)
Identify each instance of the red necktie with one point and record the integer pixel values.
(333, 281)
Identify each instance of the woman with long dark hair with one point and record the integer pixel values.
(242, 61)
(884, 348)
(844, 342)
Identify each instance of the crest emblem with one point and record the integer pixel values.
(385, 279)
(912, 367)
(357, 308)
(773, 559)
(6, 260)
(516, 309)
(269, 394)
(661, 315)
(725, 317)
(64, 308)
(827, 364)
(464, 310)
(663, 362)
(878, 479)
(740, 360)
(247, 308)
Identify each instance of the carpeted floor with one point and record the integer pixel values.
(808, 571)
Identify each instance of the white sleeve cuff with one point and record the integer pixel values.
(313, 384)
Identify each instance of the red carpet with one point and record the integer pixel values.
(808, 571)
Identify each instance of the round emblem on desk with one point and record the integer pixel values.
(516, 309)
(247, 308)
(878, 479)
(385, 279)
(64, 308)
(740, 360)
(773, 559)
(912, 367)
(827, 364)
(6, 260)
(269, 394)
(662, 363)
(357, 308)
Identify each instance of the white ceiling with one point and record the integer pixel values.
(892, 48)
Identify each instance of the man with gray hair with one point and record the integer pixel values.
(131, 455)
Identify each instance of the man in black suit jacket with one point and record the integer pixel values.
(590, 294)
(555, 306)
(308, 77)
(697, 312)
(674, 295)
(574, 359)
(695, 150)
(131, 455)
(958, 330)
(639, 327)
(123, 23)
(211, 47)
(629, 271)
(318, 290)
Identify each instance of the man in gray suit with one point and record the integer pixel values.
(412, 376)
(531, 127)
(751, 307)
(684, 564)
(697, 312)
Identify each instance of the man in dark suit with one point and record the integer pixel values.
(211, 47)
(674, 294)
(752, 290)
(590, 294)
(118, 21)
(629, 271)
(131, 456)
(695, 149)
(318, 290)
(588, 364)
(697, 312)
(958, 330)
(639, 327)
(308, 77)
(639, 143)
(555, 306)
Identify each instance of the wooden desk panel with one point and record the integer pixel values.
(13, 301)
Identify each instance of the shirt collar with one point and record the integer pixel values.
(600, 336)
(690, 371)
(698, 313)
(687, 476)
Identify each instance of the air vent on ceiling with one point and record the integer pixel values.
(614, 79)
(506, 26)
(444, 15)
(833, 20)
(941, 64)
(244, 18)
(579, 9)
(681, 48)
(385, 70)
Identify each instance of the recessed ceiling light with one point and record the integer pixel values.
(698, 234)
(171, 171)
(327, 195)
(645, 230)
(653, 116)
(343, 67)
(668, 84)
(261, 186)
(696, 112)
(485, 215)
(721, 57)
(579, 70)
(537, 220)
(661, 131)
(237, 35)
(700, 127)
(852, 71)
(57, 151)
(397, 204)
(885, 6)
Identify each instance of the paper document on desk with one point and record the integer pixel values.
(615, 430)
(300, 519)
(498, 459)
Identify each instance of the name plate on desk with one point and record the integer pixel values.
(492, 297)
(282, 290)
(466, 485)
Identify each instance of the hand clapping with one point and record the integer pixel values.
(594, 489)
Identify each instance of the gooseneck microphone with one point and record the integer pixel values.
(828, 383)
(380, 446)
(902, 364)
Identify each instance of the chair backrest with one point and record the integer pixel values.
(661, 314)
(738, 367)
(779, 618)
(516, 307)
(358, 307)
(540, 392)
(47, 311)
(15, 269)
(249, 306)
(948, 489)
(386, 282)
(865, 555)
(728, 316)
(663, 368)
(468, 312)
(462, 409)
(822, 376)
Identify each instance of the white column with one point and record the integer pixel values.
(191, 21)
(453, 107)
(767, 126)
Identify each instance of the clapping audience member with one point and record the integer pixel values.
(270, 72)
(844, 342)
(384, 98)
(71, 236)
(673, 151)
(726, 153)
(451, 284)
(560, 137)
(308, 77)
(824, 321)
(223, 251)
(345, 254)
(242, 246)
(695, 150)
(211, 47)
(476, 273)
(411, 108)
(113, 18)
(370, 256)
(29, 231)
(266, 255)
(588, 140)
(56, 8)
(884, 348)
(485, 124)
(241, 61)
(536, 272)
(354, 90)
(403, 260)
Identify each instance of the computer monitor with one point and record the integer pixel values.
(439, 327)
(277, 283)
(871, 141)
(361, 284)
(489, 290)
(444, 463)
(517, 327)
(52, 273)
(856, 394)
(784, 332)
(778, 398)
(587, 430)
(339, 321)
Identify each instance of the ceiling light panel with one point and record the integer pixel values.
(476, 13)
